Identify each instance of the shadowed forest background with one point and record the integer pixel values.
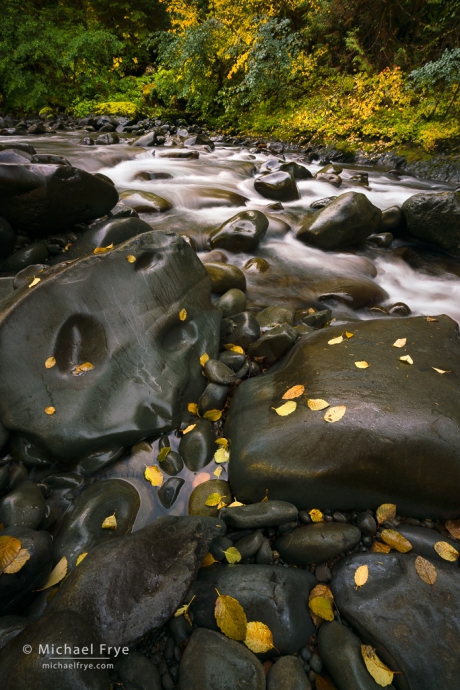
(354, 71)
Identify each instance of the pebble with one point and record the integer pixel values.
(255, 515)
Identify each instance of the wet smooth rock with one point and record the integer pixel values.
(390, 413)
(367, 524)
(243, 330)
(145, 361)
(218, 372)
(232, 302)
(392, 220)
(213, 397)
(35, 253)
(130, 585)
(10, 626)
(200, 494)
(41, 199)
(172, 464)
(197, 447)
(340, 651)
(7, 238)
(264, 514)
(423, 541)
(169, 491)
(435, 218)
(403, 617)
(273, 344)
(213, 661)
(275, 316)
(280, 186)
(234, 360)
(144, 202)
(346, 221)
(242, 233)
(248, 546)
(275, 596)
(136, 669)
(288, 674)
(224, 276)
(329, 177)
(317, 543)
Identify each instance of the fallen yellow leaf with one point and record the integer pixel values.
(183, 610)
(56, 575)
(234, 348)
(221, 455)
(396, 540)
(334, 414)
(222, 441)
(400, 342)
(349, 335)
(214, 499)
(426, 570)
(335, 341)
(183, 314)
(387, 511)
(16, 565)
(319, 591)
(230, 617)
(34, 282)
(407, 358)
(153, 475)
(378, 547)
(362, 365)
(442, 371)
(361, 575)
(189, 428)
(50, 410)
(102, 250)
(207, 560)
(232, 555)
(193, 408)
(82, 368)
(9, 549)
(431, 320)
(454, 528)
(213, 415)
(110, 522)
(50, 362)
(204, 358)
(446, 551)
(218, 471)
(163, 454)
(377, 669)
(294, 392)
(288, 408)
(131, 258)
(259, 638)
(317, 404)
(81, 557)
(322, 607)
(316, 515)
(235, 504)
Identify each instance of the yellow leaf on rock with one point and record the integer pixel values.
(213, 415)
(335, 341)
(446, 551)
(208, 560)
(377, 669)
(322, 607)
(34, 282)
(56, 575)
(50, 410)
(81, 557)
(189, 428)
(218, 471)
(317, 404)
(222, 441)
(235, 504)
(183, 314)
(204, 358)
(442, 371)
(232, 555)
(400, 342)
(321, 591)
(131, 258)
(362, 365)
(407, 359)
(153, 475)
(213, 500)
(431, 320)
(9, 549)
(183, 610)
(378, 547)
(110, 522)
(102, 250)
(234, 348)
(361, 575)
(349, 335)
(334, 414)
(387, 511)
(259, 638)
(221, 455)
(82, 368)
(230, 617)
(426, 570)
(193, 408)
(288, 408)
(163, 454)
(50, 362)
(454, 528)
(396, 540)
(294, 392)
(316, 515)
(16, 565)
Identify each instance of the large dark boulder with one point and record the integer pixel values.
(42, 199)
(280, 186)
(128, 586)
(435, 218)
(398, 419)
(347, 220)
(123, 318)
(414, 627)
(242, 233)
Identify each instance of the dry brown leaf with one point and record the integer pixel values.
(232, 555)
(50, 362)
(321, 607)
(230, 617)
(9, 549)
(81, 557)
(189, 428)
(222, 441)
(387, 511)
(102, 250)
(110, 522)
(378, 547)
(361, 575)
(400, 342)
(442, 371)
(56, 575)
(379, 672)
(35, 282)
(454, 528)
(208, 560)
(288, 408)
(183, 314)
(221, 455)
(446, 551)
(407, 359)
(334, 414)
(193, 408)
(294, 392)
(131, 258)
(316, 515)
(426, 570)
(431, 320)
(335, 341)
(153, 475)
(362, 365)
(317, 404)
(234, 348)
(259, 638)
(213, 415)
(321, 591)
(396, 540)
(50, 410)
(204, 358)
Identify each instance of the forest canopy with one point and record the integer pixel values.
(348, 69)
